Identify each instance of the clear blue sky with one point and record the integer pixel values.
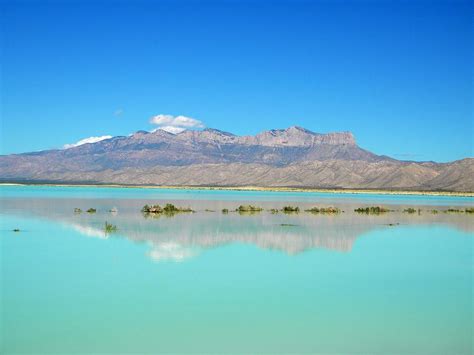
(398, 74)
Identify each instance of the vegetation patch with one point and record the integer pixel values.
(77, 210)
(109, 228)
(410, 210)
(248, 209)
(168, 209)
(372, 210)
(91, 210)
(16, 230)
(290, 209)
(454, 210)
(323, 210)
(225, 210)
(469, 210)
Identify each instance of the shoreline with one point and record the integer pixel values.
(262, 189)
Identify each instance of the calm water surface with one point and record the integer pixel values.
(209, 282)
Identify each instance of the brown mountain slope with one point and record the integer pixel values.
(294, 157)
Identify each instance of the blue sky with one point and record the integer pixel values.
(398, 74)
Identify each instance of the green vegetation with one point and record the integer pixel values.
(16, 230)
(274, 211)
(248, 209)
(323, 210)
(109, 228)
(77, 210)
(372, 210)
(168, 209)
(468, 210)
(208, 210)
(91, 210)
(453, 210)
(409, 210)
(290, 209)
(434, 211)
(225, 210)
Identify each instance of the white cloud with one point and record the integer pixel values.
(86, 140)
(175, 124)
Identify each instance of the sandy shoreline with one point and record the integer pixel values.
(256, 188)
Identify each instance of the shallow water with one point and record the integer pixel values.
(209, 282)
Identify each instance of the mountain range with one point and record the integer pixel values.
(292, 157)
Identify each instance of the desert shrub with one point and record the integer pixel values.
(372, 210)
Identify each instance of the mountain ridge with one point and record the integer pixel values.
(291, 157)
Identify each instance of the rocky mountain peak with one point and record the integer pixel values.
(296, 136)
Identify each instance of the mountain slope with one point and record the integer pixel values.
(294, 157)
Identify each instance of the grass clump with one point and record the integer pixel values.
(77, 210)
(409, 210)
(248, 209)
(290, 209)
(434, 211)
(274, 211)
(91, 210)
(372, 210)
(453, 210)
(109, 228)
(469, 210)
(323, 210)
(168, 209)
(225, 210)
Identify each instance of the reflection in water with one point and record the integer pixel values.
(170, 251)
(183, 236)
(89, 231)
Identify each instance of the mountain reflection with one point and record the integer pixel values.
(185, 236)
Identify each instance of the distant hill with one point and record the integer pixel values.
(292, 157)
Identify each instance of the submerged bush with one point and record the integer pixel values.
(290, 209)
(248, 208)
(109, 228)
(167, 209)
(453, 210)
(372, 210)
(327, 210)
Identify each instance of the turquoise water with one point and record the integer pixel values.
(213, 283)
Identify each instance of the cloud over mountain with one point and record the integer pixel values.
(85, 141)
(175, 124)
